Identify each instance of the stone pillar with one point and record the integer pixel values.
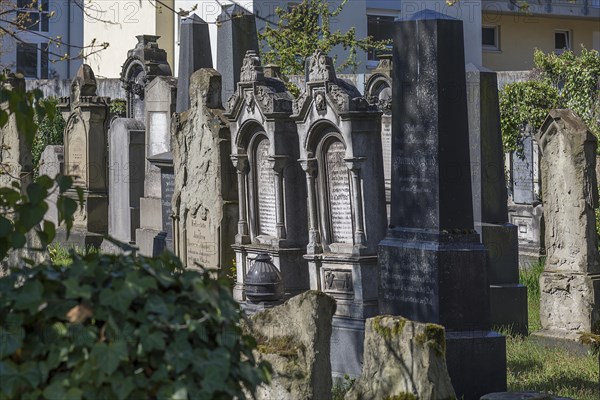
(194, 53)
(570, 283)
(235, 37)
(86, 158)
(508, 299)
(205, 199)
(433, 267)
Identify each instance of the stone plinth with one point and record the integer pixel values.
(433, 267)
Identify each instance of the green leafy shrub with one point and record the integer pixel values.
(118, 107)
(50, 130)
(118, 327)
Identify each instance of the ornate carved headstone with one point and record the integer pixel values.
(272, 210)
(508, 298)
(144, 62)
(340, 152)
(236, 35)
(378, 91)
(433, 267)
(570, 283)
(205, 199)
(160, 101)
(86, 156)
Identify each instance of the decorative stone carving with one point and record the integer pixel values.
(321, 67)
(272, 212)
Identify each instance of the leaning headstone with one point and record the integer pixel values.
(570, 283)
(52, 164)
(144, 62)
(340, 152)
(403, 360)
(295, 339)
(236, 35)
(194, 53)
(271, 191)
(160, 99)
(433, 267)
(86, 157)
(508, 298)
(378, 91)
(205, 201)
(126, 167)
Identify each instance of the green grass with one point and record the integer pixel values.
(60, 255)
(534, 367)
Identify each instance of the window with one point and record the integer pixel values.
(34, 14)
(490, 37)
(380, 28)
(562, 41)
(32, 61)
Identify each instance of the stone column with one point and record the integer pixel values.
(240, 162)
(354, 165)
(278, 163)
(310, 166)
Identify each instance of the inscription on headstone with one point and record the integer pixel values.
(201, 246)
(386, 144)
(265, 177)
(167, 189)
(77, 158)
(159, 132)
(340, 207)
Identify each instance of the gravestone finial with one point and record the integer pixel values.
(252, 70)
(320, 67)
(84, 83)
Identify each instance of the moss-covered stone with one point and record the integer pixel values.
(402, 396)
(434, 337)
(389, 332)
(285, 346)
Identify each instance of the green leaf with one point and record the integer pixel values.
(50, 231)
(65, 182)
(29, 297)
(5, 227)
(31, 373)
(3, 118)
(55, 391)
(122, 387)
(155, 304)
(76, 291)
(11, 340)
(154, 341)
(36, 193)
(109, 356)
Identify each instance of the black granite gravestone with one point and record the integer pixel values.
(235, 36)
(432, 264)
(194, 53)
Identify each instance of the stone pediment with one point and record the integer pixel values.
(255, 90)
(324, 89)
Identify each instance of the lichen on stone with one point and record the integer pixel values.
(434, 337)
(284, 346)
(402, 396)
(388, 332)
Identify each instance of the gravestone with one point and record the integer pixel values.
(52, 164)
(524, 206)
(236, 35)
(508, 298)
(194, 53)
(271, 193)
(144, 62)
(160, 101)
(164, 162)
(340, 152)
(378, 91)
(126, 166)
(433, 267)
(86, 158)
(205, 202)
(570, 283)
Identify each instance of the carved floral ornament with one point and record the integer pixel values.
(251, 68)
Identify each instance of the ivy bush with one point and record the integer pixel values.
(50, 131)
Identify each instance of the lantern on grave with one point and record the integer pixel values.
(263, 281)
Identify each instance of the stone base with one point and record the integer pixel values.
(351, 280)
(508, 305)
(289, 261)
(530, 230)
(476, 363)
(501, 241)
(568, 341)
(150, 242)
(79, 239)
(347, 346)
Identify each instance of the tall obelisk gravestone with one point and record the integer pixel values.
(194, 53)
(432, 264)
(508, 298)
(236, 35)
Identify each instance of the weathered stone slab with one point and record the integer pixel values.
(52, 164)
(295, 338)
(403, 358)
(570, 283)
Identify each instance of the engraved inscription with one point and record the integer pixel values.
(158, 142)
(338, 185)
(168, 188)
(77, 158)
(201, 246)
(338, 281)
(265, 186)
(386, 144)
(401, 281)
